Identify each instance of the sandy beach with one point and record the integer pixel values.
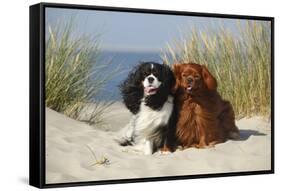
(74, 150)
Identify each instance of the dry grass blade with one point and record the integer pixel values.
(73, 75)
(102, 161)
(240, 62)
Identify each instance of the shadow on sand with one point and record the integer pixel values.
(246, 134)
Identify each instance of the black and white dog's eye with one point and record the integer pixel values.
(146, 73)
(155, 73)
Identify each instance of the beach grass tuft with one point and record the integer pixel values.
(240, 62)
(73, 77)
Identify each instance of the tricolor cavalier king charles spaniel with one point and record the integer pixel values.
(147, 94)
(204, 118)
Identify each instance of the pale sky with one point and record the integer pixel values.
(135, 31)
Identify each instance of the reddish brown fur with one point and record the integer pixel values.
(204, 118)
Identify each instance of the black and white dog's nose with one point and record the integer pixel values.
(150, 79)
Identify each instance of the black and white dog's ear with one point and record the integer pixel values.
(131, 90)
(133, 79)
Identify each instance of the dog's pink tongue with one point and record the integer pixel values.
(149, 89)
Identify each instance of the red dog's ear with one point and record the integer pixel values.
(209, 80)
(177, 73)
(176, 69)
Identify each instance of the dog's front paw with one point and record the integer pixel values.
(147, 153)
(124, 141)
(165, 152)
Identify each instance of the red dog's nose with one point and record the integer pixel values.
(189, 80)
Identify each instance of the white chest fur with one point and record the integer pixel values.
(142, 126)
(147, 120)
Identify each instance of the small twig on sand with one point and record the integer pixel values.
(103, 161)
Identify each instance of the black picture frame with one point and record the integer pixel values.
(37, 94)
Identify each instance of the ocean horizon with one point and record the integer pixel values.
(126, 60)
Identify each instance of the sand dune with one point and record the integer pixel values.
(69, 159)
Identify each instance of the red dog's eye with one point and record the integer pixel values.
(197, 77)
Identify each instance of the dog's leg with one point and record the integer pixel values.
(127, 133)
(202, 143)
(148, 147)
(165, 149)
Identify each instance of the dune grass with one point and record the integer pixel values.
(73, 76)
(240, 62)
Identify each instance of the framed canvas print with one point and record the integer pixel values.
(122, 95)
